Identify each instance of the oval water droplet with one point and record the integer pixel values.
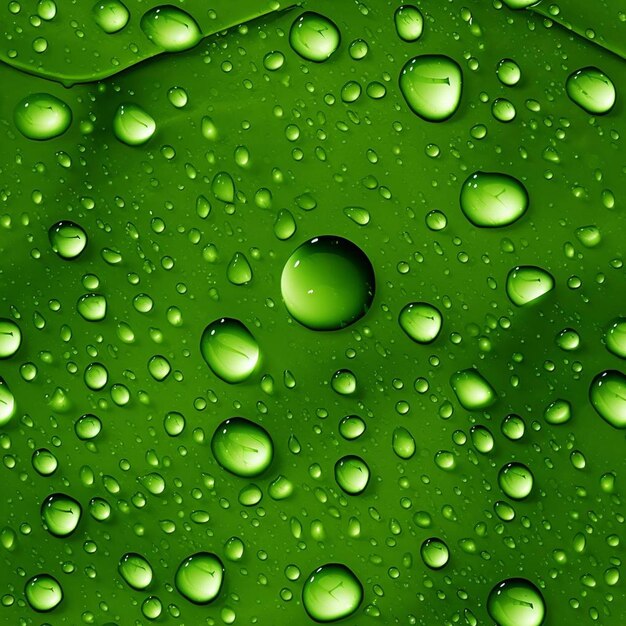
(67, 239)
(44, 462)
(434, 553)
(42, 116)
(409, 22)
(132, 125)
(43, 592)
(421, 322)
(344, 382)
(171, 28)
(314, 37)
(61, 514)
(230, 350)
(351, 427)
(87, 427)
(592, 90)
(352, 474)
(472, 389)
(199, 577)
(135, 570)
(527, 283)
(403, 443)
(493, 200)
(327, 283)
(111, 15)
(615, 337)
(516, 480)
(242, 447)
(607, 394)
(516, 602)
(331, 592)
(10, 338)
(431, 85)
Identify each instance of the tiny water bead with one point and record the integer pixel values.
(10, 338)
(432, 86)
(592, 90)
(171, 28)
(344, 382)
(42, 116)
(61, 514)
(615, 337)
(472, 389)
(516, 602)
(199, 577)
(242, 447)
(331, 592)
(434, 553)
(67, 239)
(526, 284)
(314, 37)
(409, 22)
(516, 480)
(135, 570)
(43, 592)
(493, 200)
(230, 350)
(352, 474)
(508, 72)
(421, 322)
(607, 394)
(327, 283)
(111, 15)
(7, 403)
(132, 125)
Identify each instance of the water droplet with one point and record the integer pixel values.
(331, 593)
(171, 28)
(434, 553)
(242, 447)
(344, 382)
(92, 307)
(273, 60)
(589, 236)
(615, 337)
(403, 443)
(527, 283)
(482, 439)
(178, 98)
(10, 338)
(352, 474)
(61, 514)
(493, 200)
(327, 283)
(519, 4)
(7, 403)
(239, 271)
(568, 339)
(516, 602)
(87, 427)
(558, 412)
(67, 239)
(44, 462)
(42, 116)
(314, 37)
(508, 72)
(472, 390)
(135, 570)
(199, 577)
(132, 125)
(223, 187)
(409, 22)
(503, 110)
(111, 15)
(46, 9)
(421, 322)
(351, 427)
(43, 592)
(607, 394)
(515, 480)
(230, 350)
(431, 86)
(592, 90)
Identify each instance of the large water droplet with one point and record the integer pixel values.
(314, 37)
(352, 474)
(409, 22)
(615, 337)
(229, 349)
(607, 394)
(472, 390)
(516, 602)
(43, 592)
(242, 447)
(42, 116)
(516, 480)
(199, 577)
(135, 570)
(434, 553)
(327, 283)
(7, 403)
(61, 514)
(421, 322)
(492, 200)
(331, 593)
(527, 283)
(111, 15)
(10, 338)
(132, 125)
(171, 28)
(508, 71)
(431, 85)
(592, 90)
(67, 238)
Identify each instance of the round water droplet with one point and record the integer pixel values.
(42, 116)
(229, 349)
(607, 394)
(111, 15)
(7, 403)
(314, 37)
(558, 412)
(432, 86)
(87, 427)
(135, 570)
(331, 593)
(242, 447)
(327, 283)
(68, 239)
(516, 480)
(171, 28)
(568, 339)
(351, 427)
(516, 602)
(273, 60)
(503, 110)
(44, 462)
(92, 307)
(472, 390)
(421, 322)
(527, 283)
(520, 4)
(409, 22)
(493, 200)
(43, 592)
(10, 338)
(513, 427)
(61, 514)
(434, 553)
(199, 577)
(482, 439)
(174, 423)
(344, 382)
(352, 474)
(592, 90)
(508, 72)
(615, 337)
(132, 125)
(403, 443)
